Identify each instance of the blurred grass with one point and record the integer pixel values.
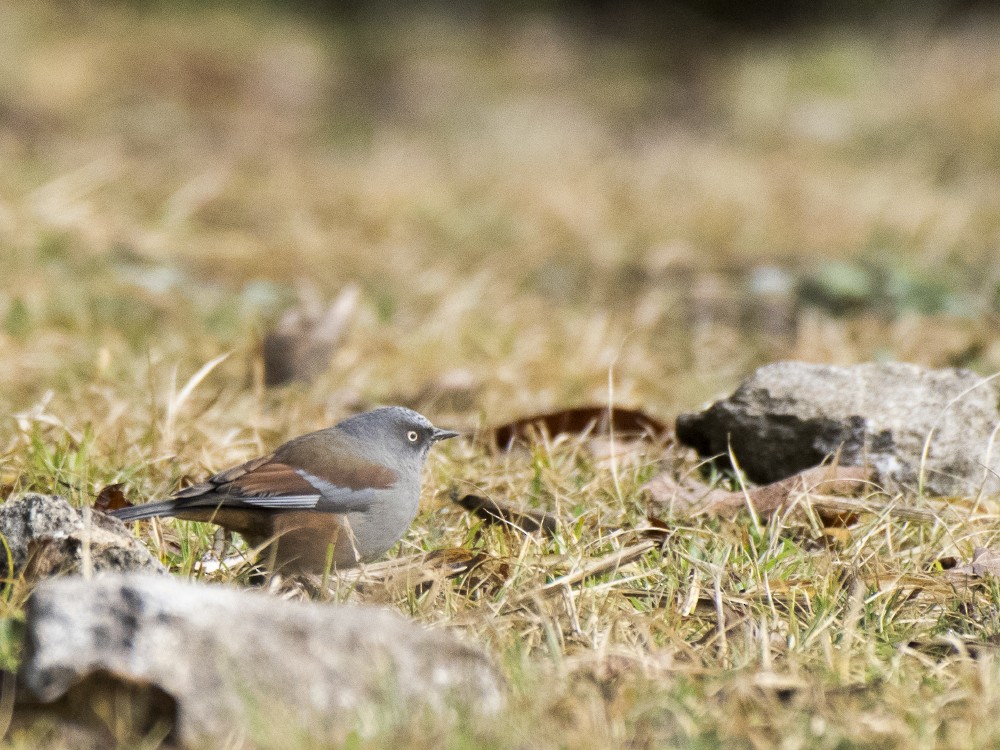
(526, 203)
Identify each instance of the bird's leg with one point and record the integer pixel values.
(221, 541)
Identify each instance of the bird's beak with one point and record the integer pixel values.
(439, 434)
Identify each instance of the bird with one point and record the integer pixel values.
(329, 499)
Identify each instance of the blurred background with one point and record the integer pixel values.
(527, 195)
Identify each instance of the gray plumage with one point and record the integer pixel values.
(346, 493)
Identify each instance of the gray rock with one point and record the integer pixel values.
(790, 416)
(246, 665)
(46, 535)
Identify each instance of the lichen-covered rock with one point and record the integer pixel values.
(46, 535)
(790, 416)
(244, 665)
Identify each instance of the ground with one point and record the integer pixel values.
(539, 213)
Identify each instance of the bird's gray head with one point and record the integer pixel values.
(396, 430)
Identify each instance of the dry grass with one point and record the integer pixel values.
(526, 206)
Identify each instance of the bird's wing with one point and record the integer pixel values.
(260, 483)
(337, 459)
(317, 471)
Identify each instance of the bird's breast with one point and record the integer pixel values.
(378, 527)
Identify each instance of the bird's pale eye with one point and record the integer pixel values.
(412, 436)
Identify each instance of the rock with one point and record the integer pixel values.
(790, 416)
(242, 664)
(46, 535)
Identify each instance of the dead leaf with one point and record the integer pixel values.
(681, 498)
(494, 511)
(302, 344)
(658, 528)
(767, 500)
(834, 519)
(770, 498)
(599, 419)
(112, 498)
(985, 562)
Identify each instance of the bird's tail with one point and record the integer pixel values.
(146, 510)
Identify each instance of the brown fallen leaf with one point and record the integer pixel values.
(599, 419)
(494, 511)
(112, 498)
(771, 498)
(985, 562)
(766, 500)
(658, 528)
(302, 344)
(679, 497)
